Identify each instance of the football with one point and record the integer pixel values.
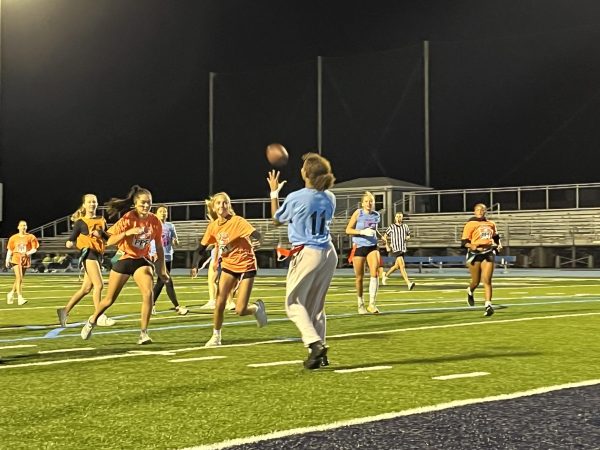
(277, 155)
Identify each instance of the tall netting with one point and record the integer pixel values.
(254, 109)
(373, 114)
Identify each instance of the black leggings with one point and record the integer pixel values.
(170, 289)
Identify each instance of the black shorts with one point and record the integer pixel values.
(91, 254)
(362, 252)
(472, 257)
(129, 266)
(396, 254)
(240, 275)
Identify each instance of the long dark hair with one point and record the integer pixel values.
(116, 206)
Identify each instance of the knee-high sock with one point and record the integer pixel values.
(373, 286)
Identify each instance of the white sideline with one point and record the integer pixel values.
(392, 415)
(460, 375)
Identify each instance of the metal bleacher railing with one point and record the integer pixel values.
(547, 216)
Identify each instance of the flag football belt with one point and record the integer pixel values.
(471, 254)
(284, 253)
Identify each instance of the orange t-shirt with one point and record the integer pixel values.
(19, 245)
(89, 240)
(233, 243)
(480, 232)
(138, 245)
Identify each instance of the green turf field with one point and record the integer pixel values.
(61, 392)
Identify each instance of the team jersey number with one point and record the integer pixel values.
(317, 220)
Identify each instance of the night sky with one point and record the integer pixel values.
(97, 95)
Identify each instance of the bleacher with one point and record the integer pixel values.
(548, 228)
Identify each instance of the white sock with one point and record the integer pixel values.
(488, 302)
(373, 285)
(361, 301)
(216, 332)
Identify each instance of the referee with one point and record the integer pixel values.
(398, 234)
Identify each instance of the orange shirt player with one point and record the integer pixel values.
(18, 256)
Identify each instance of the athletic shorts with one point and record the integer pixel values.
(240, 275)
(396, 254)
(472, 258)
(362, 252)
(129, 266)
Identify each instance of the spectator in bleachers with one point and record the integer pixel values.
(169, 239)
(363, 229)
(482, 241)
(20, 247)
(89, 236)
(398, 234)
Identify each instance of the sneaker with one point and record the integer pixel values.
(144, 338)
(324, 361)
(86, 331)
(384, 279)
(261, 313)
(214, 341)
(182, 310)
(317, 352)
(489, 310)
(153, 312)
(230, 306)
(209, 305)
(9, 298)
(62, 316)
(21, 301)
(470, 298)
(362, 309)
(411, 286)
(372, 309)
(104, 321)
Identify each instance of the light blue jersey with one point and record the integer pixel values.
(308, 213)
(168, 235)
(363, 221)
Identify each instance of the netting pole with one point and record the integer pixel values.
(426, 109)
(211, 137)
(319, 103)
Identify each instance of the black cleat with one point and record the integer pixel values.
(488, 311)
(324, 361)
(317, 352)
(470, 298)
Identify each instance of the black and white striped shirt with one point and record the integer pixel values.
(398, 234)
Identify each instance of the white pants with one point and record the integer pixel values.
(308, 280)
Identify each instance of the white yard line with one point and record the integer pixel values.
(460, 375)
(200, 358)
(17, 346)
(67, 350)
(362, 369)
(276, 363)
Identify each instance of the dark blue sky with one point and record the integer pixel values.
(103, 94)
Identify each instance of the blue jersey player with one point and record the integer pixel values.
(308, 213)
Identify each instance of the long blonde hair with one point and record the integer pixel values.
(210, 205)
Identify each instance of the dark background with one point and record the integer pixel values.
(97, 95)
